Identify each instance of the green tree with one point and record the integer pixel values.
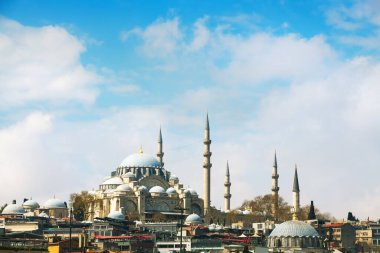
(80, 203)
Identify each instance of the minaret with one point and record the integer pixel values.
(207, 166)
(296, 196)
(275, 189)
(227, 193)
(160, 154)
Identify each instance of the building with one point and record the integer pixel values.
(141, 186)
(341, 236)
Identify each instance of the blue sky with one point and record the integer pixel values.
(85, 83)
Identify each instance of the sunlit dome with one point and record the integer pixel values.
(171, 190)
(31, 204)
(116, 215)
(54, 203)
(44, 215)
(13, 209)
(140, 160)
(193, 219)
(143, 188)
(157, 189)
(294, 228)
(113, 181)
(128, 175)
(191, 191)
(123, 188)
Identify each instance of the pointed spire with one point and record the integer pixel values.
(296, 187)
(275, 159)
(311, 215)
(141, 150)
(228, 170)
(207, 123)
(160, 136)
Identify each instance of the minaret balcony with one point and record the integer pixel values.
(207, 165)
(207, 142)
(207, 154)
(227, 184)
(275, 189)
(227, 196)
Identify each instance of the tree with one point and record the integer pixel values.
(81, 203)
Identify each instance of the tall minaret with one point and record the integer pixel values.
(296, 196)
(207, 166)
(275, 189)
(227, 193)
(160, 154)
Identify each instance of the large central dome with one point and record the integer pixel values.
(140, 160)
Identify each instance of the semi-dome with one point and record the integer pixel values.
(123, 188)
(140, 160)
(157, 189)
(294, 228)
(54, 203)
(129, 175)
(116, 215)
(171, 190)
(194, 219)
(113, 181)
(13, 209)
(30, 204)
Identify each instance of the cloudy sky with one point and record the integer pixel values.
(84, 83)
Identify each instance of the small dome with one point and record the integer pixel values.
(140, 160)
(31, 204)
(191, 191)
(113, 181)
(143, 188)
(129, 175)
(194, 219)
(157, 189)
(171, 190)
(54, 203)
(246, 212)
(116, 215)
(294, 228)
(173, 177)
(44, 215)
(123, 188)
(13, 209)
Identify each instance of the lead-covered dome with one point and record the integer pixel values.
(294, 228)
(30, 204)
(193, 219)
(124, 188)
(157, 189)
(140, 160)
(113, 181)
(13, 209)
(54, 203)
(116, 215)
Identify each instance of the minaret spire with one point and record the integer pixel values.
(275, 188)
(296, 196)
(227, 193)
(160, 153)
(207, 166)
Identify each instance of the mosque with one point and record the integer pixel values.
(141, 185)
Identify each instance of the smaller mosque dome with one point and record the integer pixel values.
(113, 181)
(294, 228)
(173, 177)
(116, 215)
(143, 188)
(129, 175)
(193, 219)
(157, 189)
(30, 204)
(246, 212)
(171, 190)
(54, 203)
(13, 209)
(44, 215)
(123, 188)
(140, 160)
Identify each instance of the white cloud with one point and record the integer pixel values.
(201, 35)
(262, 57)
(160, 38)
(42, 64)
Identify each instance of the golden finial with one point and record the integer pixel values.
(141, 150)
